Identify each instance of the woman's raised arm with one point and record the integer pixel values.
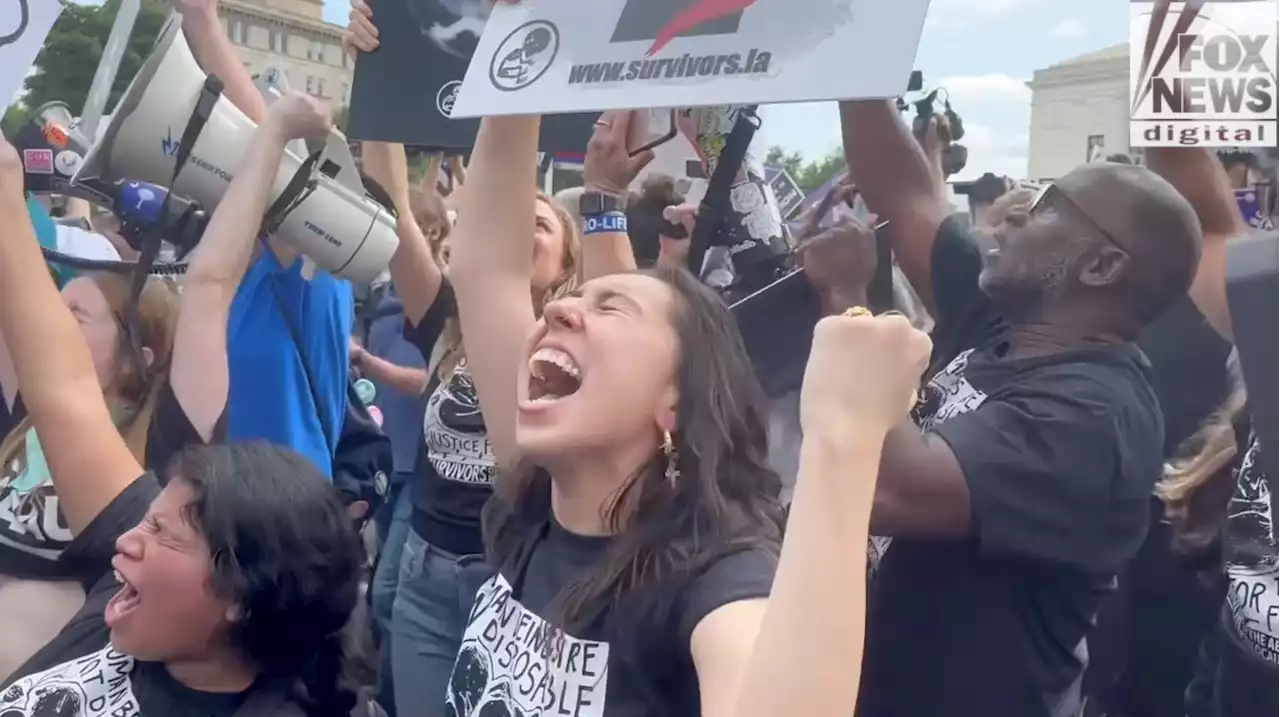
(414, 271)
(490, 270)
(754, 657)
(88, 460)
(199, 375)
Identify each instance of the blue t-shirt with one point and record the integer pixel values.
(401, 412)
(270, 399)
(46, 233)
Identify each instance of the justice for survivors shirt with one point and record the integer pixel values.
(33, 531)
(454, 474)
(1246, 671)
(79, 673)
(514, 662)
(1143, 650)
(1060, 455)
(1250, 552)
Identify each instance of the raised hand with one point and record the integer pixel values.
(187, 7)
(11, 179)
(357, 353)
(863, 374)
(841, 260)
(609, 167)
(811, 220)
(674, 251)
(361, 34)
(300, 116)
(686, 215)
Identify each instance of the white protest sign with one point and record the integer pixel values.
(24, 24)
(555, 56)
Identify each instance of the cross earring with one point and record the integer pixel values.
(669, 450)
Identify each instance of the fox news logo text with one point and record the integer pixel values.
(1203, 74)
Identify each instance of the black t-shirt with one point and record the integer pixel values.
(454, 473)
(1060, 455)
(512, 662)
(33, 532)
(1188, 369)
(1252, 551)
(79, 673)
(1245, 674)
(1148, 634)
(11, 417)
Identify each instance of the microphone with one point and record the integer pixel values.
(139, 202)
(138, 205)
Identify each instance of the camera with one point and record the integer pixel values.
(954, 155)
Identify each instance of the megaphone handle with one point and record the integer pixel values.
(299, 187)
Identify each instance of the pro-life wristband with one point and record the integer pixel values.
(609, 222)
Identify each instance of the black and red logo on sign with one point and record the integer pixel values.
(664, 20)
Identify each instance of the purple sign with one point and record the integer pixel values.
(1250, 202)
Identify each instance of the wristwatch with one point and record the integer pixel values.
(592, 203)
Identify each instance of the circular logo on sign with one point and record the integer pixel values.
(524, 56)
(447, 95)
(67, 162)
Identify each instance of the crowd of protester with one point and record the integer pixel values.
(1031, 487)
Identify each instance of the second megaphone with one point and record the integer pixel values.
(338, 226)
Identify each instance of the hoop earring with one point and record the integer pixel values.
(669, 450)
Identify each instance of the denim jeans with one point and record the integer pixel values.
(393, 524)
(390, 508)
(387, 576)
(433, 601)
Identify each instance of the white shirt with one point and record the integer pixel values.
(74, 241)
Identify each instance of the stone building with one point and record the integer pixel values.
(1079, 112)
(291, 36)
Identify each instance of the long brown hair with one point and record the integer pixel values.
(725, 500)
(158, 318)
(453, 352)
(1197, 488)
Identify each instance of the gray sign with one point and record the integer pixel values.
(787, 192)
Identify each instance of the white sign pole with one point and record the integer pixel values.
(105, 76)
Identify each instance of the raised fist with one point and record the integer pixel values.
(863, 374)
(300, 116)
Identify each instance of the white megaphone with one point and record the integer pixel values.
(337, 226)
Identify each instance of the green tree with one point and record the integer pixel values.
(14, 118)
(340, 116)
(808, 175)
(790, 161)
(65, 66)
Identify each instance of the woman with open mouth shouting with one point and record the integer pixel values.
(226, 591)
(635, 524)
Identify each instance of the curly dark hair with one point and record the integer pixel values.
(283, 548)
